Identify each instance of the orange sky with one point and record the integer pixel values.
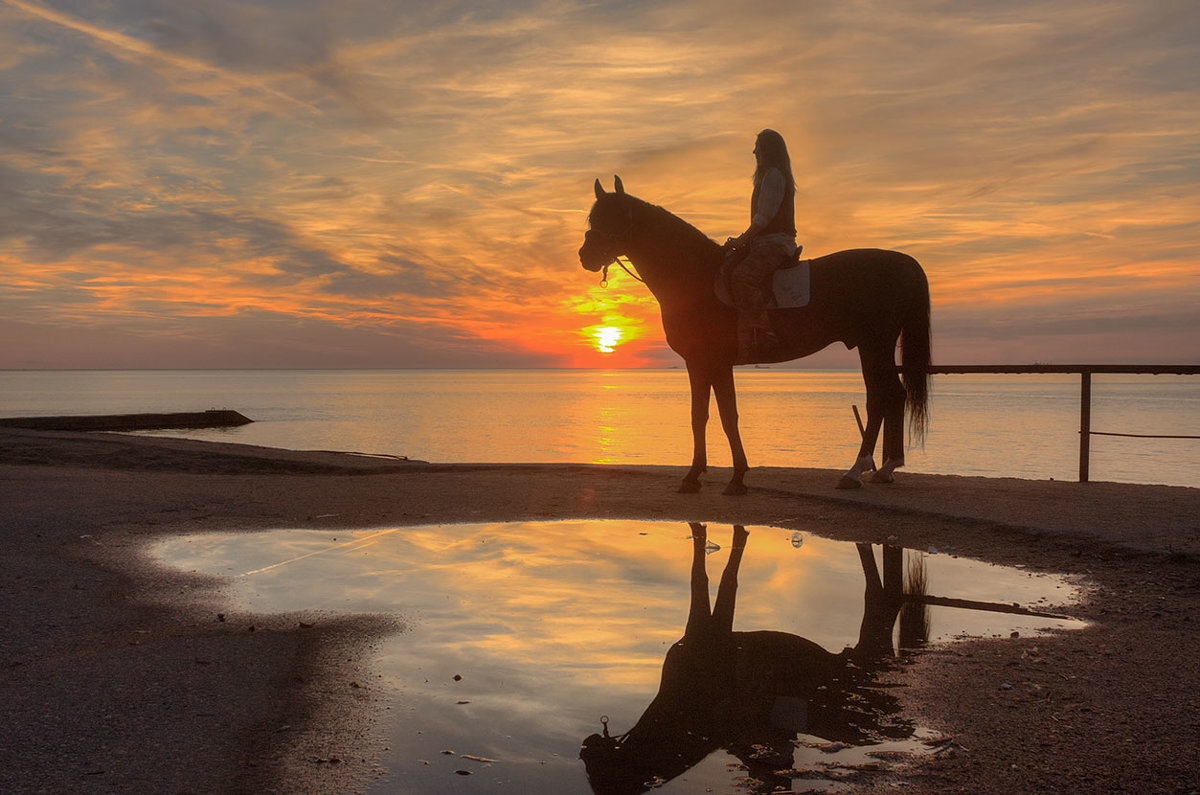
(310, 184)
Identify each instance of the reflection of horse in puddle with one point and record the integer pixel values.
(751, 693)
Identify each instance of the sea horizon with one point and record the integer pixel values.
(1024, 426)
(787, 366)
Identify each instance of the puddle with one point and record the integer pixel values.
(679, 657)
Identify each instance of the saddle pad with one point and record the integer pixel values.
(791, 286)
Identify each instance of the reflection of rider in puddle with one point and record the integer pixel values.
(750, 693)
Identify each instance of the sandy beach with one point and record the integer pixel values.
(120, 676)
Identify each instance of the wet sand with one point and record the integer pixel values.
(121, 676)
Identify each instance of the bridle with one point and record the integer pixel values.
(625, 239)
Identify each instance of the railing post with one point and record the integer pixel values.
(1085, 422)
(1085, 399)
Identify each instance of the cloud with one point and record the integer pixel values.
(368, 167)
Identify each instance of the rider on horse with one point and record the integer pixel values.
(766, 245)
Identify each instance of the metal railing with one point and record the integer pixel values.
(1085, 372)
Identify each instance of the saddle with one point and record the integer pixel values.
(789, 286)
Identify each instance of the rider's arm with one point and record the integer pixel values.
(770, 197)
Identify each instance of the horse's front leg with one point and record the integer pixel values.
(701, 388)
(722, 382)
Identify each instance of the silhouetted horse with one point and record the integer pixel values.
(751, 693)
(865, 298)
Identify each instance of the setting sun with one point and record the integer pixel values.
(607, 338)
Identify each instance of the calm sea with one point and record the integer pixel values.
(992, 425)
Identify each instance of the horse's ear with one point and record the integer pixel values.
(599, 190)
(618, 185)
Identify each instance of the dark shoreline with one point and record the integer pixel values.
(93, 629)
(212, 418)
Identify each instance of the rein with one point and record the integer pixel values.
(620, 261)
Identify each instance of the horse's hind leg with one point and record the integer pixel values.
(893, 428)
(866, 452)
(876, 368)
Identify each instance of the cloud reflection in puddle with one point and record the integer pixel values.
(551, 625)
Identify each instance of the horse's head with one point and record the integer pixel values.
(628, 765)
(610, 228)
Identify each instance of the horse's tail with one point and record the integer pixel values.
(915, 360)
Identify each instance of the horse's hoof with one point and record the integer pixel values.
(881, 476)
(689, 487)
(848, 482)
(734, 489)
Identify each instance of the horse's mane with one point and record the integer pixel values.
(670, 228)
